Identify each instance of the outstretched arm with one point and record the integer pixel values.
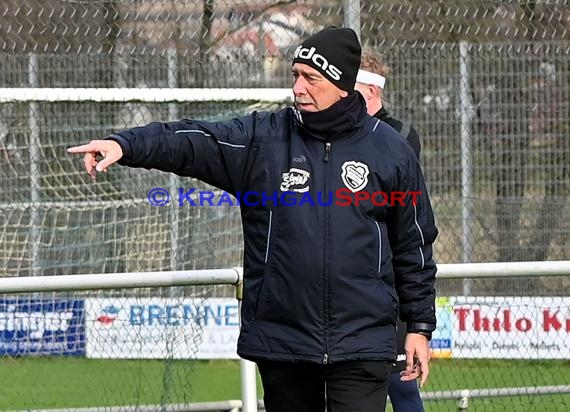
(215, 152)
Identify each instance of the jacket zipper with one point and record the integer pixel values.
(327, 151)
(325, 256)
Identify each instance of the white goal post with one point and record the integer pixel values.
(150, 95)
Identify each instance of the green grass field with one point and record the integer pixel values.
(75, 382)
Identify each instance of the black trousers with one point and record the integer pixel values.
(352, 386)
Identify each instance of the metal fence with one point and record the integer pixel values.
(510, 350)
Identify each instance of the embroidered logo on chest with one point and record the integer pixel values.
(355, 175)
(295, 180)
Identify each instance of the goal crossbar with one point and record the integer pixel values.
(146, 95)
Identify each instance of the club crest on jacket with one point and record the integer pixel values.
(355, 175)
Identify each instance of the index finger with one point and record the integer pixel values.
(84, 148)
(411, 359)
(424, 370)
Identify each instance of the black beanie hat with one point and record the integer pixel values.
(335, 53)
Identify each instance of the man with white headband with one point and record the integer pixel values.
(370, 82)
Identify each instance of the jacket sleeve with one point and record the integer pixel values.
(215, 152)
(412, 232)
(413, 139)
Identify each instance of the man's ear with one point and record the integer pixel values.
(374, 90)
(369, 92)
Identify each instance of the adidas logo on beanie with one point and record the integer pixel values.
(335, 53)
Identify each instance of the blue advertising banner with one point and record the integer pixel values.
(42, 327)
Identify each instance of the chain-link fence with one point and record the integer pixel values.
(486, 83)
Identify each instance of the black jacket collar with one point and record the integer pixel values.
(340, 120)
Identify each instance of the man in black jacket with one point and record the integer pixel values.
(338, 230)
(370, 82)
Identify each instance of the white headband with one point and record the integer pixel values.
(370, 78)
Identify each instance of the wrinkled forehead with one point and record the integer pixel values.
(306, 70)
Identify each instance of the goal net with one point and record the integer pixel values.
(54, 220)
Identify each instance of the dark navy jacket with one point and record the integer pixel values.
(320, 279)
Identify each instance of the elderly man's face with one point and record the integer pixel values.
(313, 91)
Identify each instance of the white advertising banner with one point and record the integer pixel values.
(503, 327)
(159, 328)
(467, 327)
